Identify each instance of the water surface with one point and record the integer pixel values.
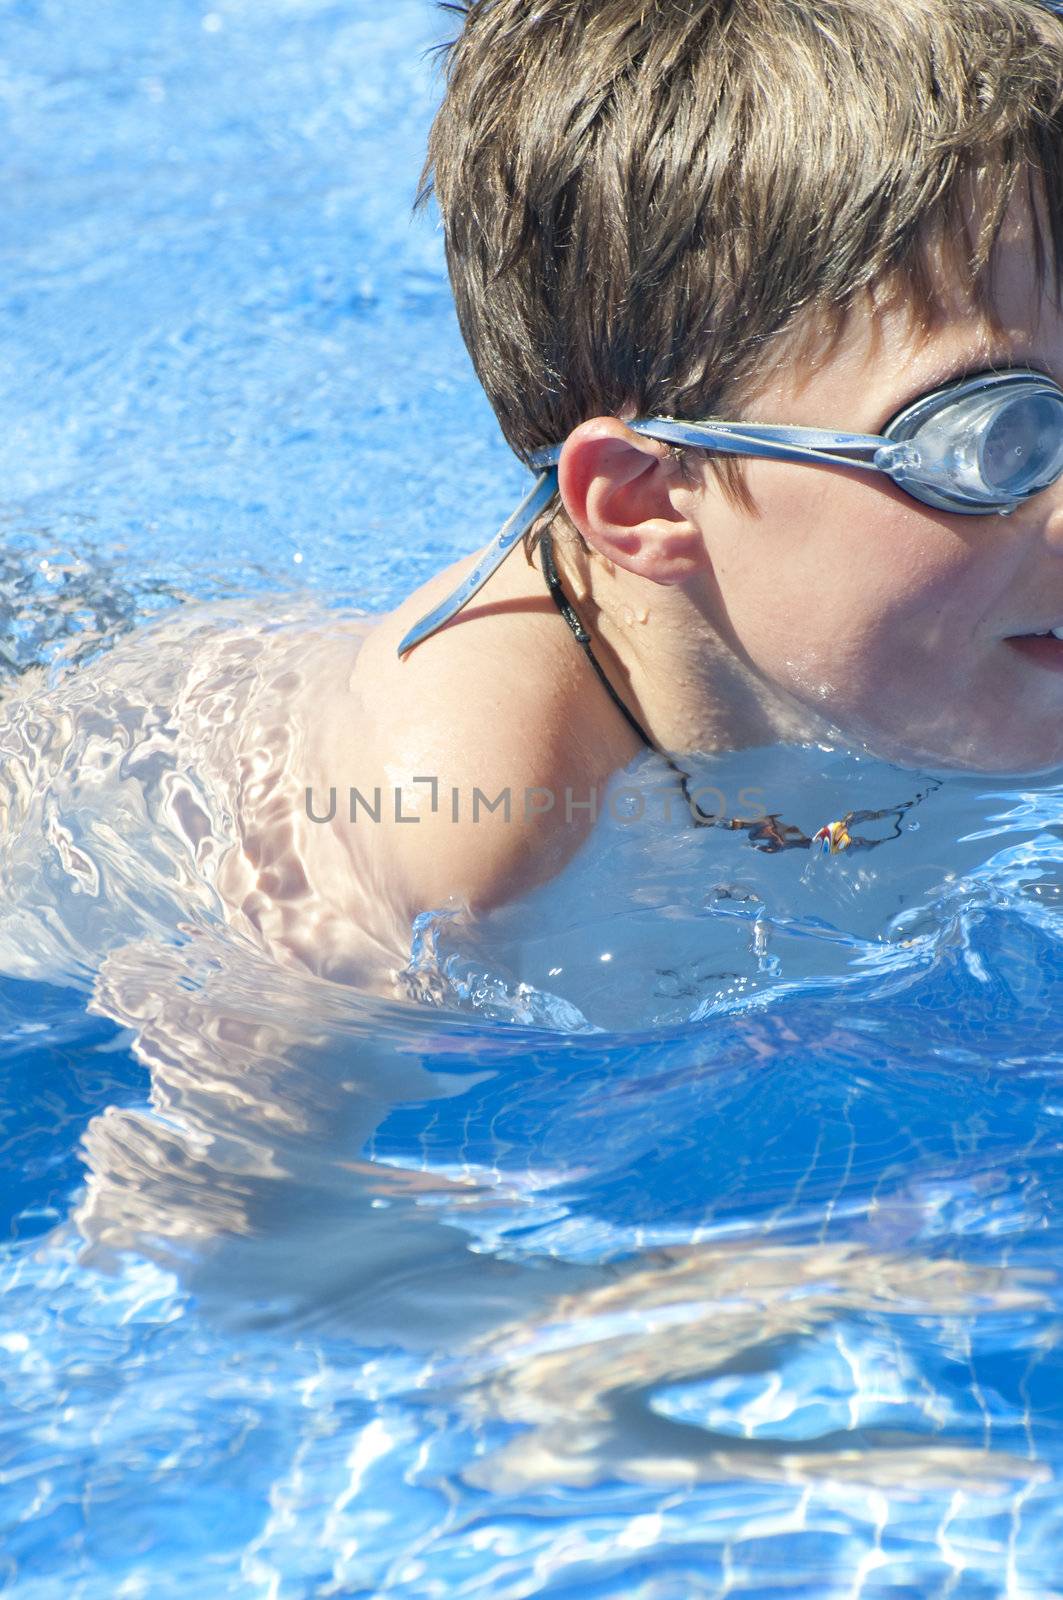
(692, 1228)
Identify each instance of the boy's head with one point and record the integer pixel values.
(637, 195)
(804, 212)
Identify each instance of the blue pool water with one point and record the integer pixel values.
(693, 1229)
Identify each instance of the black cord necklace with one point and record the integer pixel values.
(768, 833)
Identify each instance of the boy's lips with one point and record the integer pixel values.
(1044, 648)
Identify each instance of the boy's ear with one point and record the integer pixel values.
(629, 499)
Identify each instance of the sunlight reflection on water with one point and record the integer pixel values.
(728, 1265)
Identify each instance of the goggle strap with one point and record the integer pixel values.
(510, 533)
(901, 459)
(769, 443)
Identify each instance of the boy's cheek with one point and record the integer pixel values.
(854, 596)
(869, 635)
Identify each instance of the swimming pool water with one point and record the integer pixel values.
(694, 1228)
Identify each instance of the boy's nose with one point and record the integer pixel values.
(1053, 524)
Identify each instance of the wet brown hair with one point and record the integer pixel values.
(637, 195)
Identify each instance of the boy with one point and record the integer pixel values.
(820, 216)
(831, 216)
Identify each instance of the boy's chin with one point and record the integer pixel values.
(978, 759)
(993, 753)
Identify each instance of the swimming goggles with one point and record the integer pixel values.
(976, 445)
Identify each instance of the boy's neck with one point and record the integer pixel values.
(672, 664)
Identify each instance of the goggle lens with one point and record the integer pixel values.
(1022, 445)
(989, 442)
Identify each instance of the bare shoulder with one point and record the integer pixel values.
(485, 749)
